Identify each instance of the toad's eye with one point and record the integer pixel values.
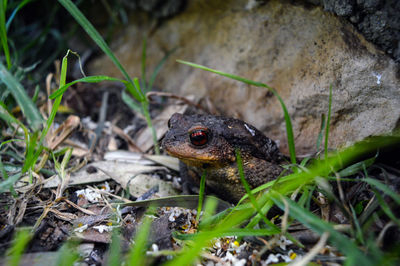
(199, 137)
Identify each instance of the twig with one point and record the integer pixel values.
(379, 240)
(131, 144)
(79, 208)
(173, 96)
(313, 252)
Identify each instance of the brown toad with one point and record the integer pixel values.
(209, 142)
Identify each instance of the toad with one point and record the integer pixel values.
(207, 142)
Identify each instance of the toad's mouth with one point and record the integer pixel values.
(198, 157)
(193, 159)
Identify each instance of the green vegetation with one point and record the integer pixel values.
(201, 194)
(33, 136)
(293, 192)
(132, 85)
(17, 249)
(137, 253)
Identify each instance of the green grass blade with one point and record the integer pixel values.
(323, 168)
(19, 244)
(184, 201)
(246, 186)
(137, 253)
(90, 79)
(136, 85)
(239, 232)
(68, 254)
(357, 167)
(384, 188)
(285, 185)
(266, 204)
(15, 11)
(9, 118)
(305, 197)
(56, 104)
(57, 101)
(248, 189)
(289, 127)
(328, 121)
(386, 209)
(321, 132)
(343, 243)
(95, 35)
(131, 103)
(210, 207)
(244, 80)
(3, 171)
(133, 88)
(359, 234)
(3, 32)
(31, 160)
(114, 258)
(144, 79)
(36, 94)
(30, 155)
(201, 194)
(224, 228)
(188, 255)
(30, 111)
(157, 69)
(5, 185)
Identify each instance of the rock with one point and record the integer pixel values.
(157, 8)
(299, 50)
(377, 20)
(340, 7)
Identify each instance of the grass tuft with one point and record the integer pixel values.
(28, 108)
(3, 32)
(131, 85)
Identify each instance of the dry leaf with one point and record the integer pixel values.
(139, 184)
(103, 170)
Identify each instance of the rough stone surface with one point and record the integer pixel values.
(377, 20)
(157, 8)
(297, 50)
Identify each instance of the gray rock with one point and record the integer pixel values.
(299, 51)
(377, 20)
(369, 5)
(157, 8)
(339, 7)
